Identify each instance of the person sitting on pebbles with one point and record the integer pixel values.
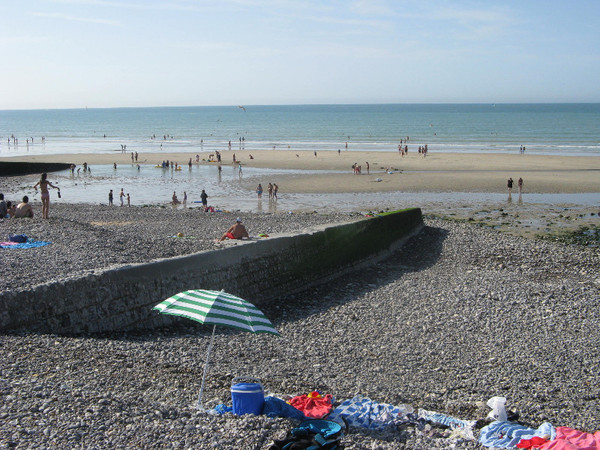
(236, 231)
(24, 209)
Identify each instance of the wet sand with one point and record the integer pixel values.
(457, 186)
(443, 172)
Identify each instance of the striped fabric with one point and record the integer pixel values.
(219, 308)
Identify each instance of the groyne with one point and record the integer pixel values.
(15, 168)
(121, 298)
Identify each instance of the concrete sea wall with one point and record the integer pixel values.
(260, 271)
(14, 168)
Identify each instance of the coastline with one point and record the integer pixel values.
(441, 172)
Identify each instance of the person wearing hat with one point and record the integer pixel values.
(236, 231)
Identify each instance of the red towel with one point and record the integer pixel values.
(316, 407)
(570, 439)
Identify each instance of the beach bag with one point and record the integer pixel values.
(312, 434)
(20, 238)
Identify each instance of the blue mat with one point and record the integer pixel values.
(29, 244)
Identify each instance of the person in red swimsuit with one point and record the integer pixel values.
(236, 231)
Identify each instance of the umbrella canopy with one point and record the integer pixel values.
(218, 308)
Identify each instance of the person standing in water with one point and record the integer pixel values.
(43, 184)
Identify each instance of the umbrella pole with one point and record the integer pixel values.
(212, 339)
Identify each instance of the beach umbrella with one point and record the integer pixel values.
(217, 308)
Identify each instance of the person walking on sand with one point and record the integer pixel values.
(520, 184)
(509, 185)
(110, 198)
(43, 184)
(235, 231)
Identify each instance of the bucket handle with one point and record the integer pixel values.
(252, 379)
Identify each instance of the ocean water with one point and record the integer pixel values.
(553, 129)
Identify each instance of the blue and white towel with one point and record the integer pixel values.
(465, 427)
(365, 413)
(508, 434)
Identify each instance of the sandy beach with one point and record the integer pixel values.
(388, 171)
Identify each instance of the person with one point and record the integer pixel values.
(520, 184)
(204, 198)
(110, 198)
(3, 207)
(175, 199)
(24, 209)
(122, 197)
(235, 231)
(275, 189)
(259, 190)
(184, 197)
(128, 200)
(367, 167)
(11, 209)
(509, 184)
(270, 191)
(43, 184)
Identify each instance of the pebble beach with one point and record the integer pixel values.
(460, 314)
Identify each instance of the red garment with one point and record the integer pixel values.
(570, 439)
(316, 408)
(534, 442)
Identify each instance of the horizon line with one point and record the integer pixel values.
(297, 104)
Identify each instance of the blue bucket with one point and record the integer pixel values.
(247, 396)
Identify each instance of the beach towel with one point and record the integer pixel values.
(314, 405)
(465, 427)
(29, 244)
(363, 412)
(570, 439)
(275, 407)
(508, 434)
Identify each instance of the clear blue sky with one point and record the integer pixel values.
(110, 53)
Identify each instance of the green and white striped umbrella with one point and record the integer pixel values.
(218, 308)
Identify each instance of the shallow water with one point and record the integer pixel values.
(228, 190)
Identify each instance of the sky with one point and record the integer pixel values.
(129, 53)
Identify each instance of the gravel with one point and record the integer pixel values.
(88, 237)
(460, 314)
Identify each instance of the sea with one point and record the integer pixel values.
(546, 129)
(554, 129)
